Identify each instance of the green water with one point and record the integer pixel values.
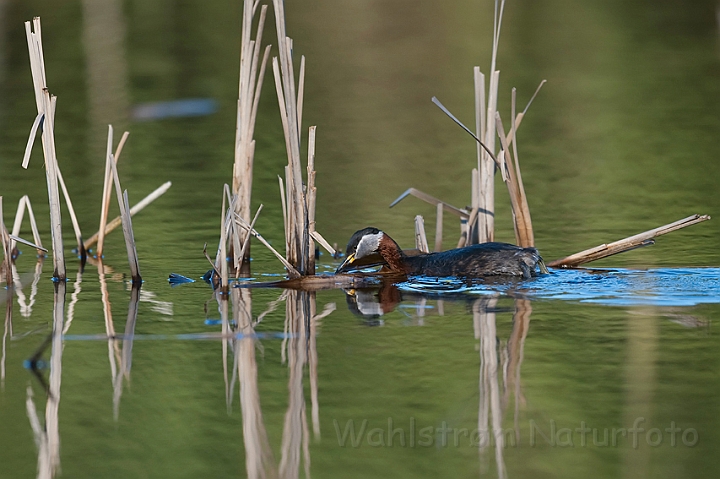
(621, 139)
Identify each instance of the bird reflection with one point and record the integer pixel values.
(372, 303)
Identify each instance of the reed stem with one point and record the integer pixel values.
(157, 193)
(249, 87)
(438, 228)
(45, 106)
(420, 238)
(626, 244)
(123, 203)
(107, 187)
(6, 248)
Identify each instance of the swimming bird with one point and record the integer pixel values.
(371, 246)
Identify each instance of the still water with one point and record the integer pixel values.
(610, 372)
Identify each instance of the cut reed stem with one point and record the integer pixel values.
(438, 228)
(626, 244)
(292, 272)
(249, 87)
(124, 206)
(311, 193)
(299, 203)
(521, 213)
(420, 238)
(45, 107)
(223, 260)
(73, 218)
(247, 236)
(6, 248)
(107, 187)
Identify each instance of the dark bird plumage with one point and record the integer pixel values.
(370, 246)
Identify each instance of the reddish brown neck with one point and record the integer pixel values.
(392, 254)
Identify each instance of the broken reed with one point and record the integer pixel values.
(107, 186)
(632, 242)
(298, 202)
(298, 241)
(477, 222)
(483, 178)
(250, 85)
(24, 204)
(123, 204)
(45, 107)
(6, 265)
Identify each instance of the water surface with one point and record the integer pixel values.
(428, 379)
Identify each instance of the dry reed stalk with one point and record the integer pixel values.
(299, 240)
(249, 87)
(157, 193)
(420, 238)
(232, 233)
(17, 239)
(225, 224)
(246, 244)
(73, 217)
(486, 164)
(323, 242)
(510, 175)
(126, 224)
(438, 228)
(432, 200)
(521, 115)
(292, 272)
(31, 139)
(24, 204)
(107, 187)
(45, 107)
(311, 194)
(223, 266)
(76, 225)
(626, 244)
(483, 185)
(283, 203)
(521, 211)
(6, 247)
(296, 199)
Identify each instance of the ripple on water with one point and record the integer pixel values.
(614, 287)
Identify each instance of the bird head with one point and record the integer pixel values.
(362, 250)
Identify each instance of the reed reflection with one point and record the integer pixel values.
(499, 379)
(47, 436)
(298, 352)
(127, 346)
(500, 364)
(14, 288)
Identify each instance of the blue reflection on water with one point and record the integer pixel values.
(614, 287)
(174, 109)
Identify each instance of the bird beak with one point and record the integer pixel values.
(347, 264)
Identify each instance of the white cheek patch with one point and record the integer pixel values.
(368, 244)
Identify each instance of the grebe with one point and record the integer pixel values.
(370, 246)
